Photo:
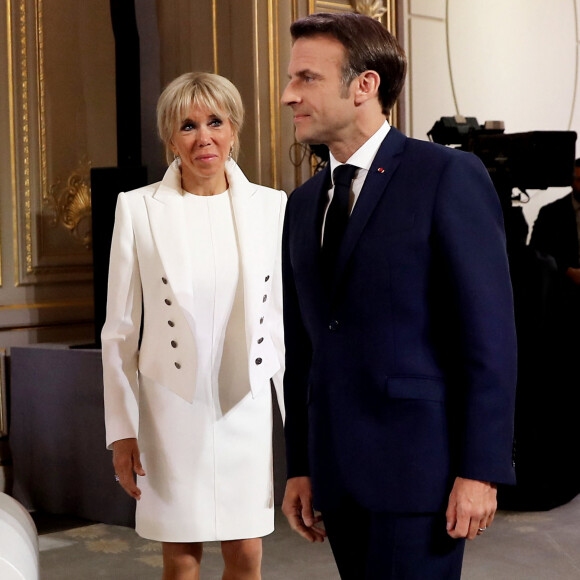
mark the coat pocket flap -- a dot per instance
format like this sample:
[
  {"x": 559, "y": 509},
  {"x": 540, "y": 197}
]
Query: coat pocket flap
[{"x": 409, "y": 387}]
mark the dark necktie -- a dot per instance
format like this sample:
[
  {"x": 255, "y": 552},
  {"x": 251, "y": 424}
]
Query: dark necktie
[{"x": 336, "y": 218}]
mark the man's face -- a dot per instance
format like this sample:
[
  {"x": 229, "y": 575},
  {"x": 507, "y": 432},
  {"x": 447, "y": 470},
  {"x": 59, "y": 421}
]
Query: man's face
[
  {"x": 323, "y": 108},
  {"x": 576, "y": 181}
]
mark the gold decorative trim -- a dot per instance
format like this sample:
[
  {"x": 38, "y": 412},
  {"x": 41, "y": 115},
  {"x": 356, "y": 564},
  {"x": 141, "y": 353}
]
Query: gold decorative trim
[
  {"x": 373, "y": 8},
  {"x": 46, "y": 305},
  {"x": 258, "y": 107},
  {"x": 215, "y": 36},
  {"x": 324, "y": 6},
  {"x": 295, "y": 10},
  {"x": 71, "y": 204},
  {"x": 31, "y": 193},
  {"x": 25, "y": 128},
  {"x": 3, "y": 417},
  {"x": 47, "y": 326},
  {"x": 41, "y": 99},
  {"x": 11, "y": 109},
  {"x": 274, "y": 75}
]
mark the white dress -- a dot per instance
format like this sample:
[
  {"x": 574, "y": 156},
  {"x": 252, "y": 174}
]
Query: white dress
[{"x": 216, "y": 485}]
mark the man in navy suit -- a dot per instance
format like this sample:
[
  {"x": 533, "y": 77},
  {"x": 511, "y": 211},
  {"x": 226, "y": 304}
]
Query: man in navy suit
[
  {"x": 400, "y": 375},
  {"x": 557, "y": 230}
]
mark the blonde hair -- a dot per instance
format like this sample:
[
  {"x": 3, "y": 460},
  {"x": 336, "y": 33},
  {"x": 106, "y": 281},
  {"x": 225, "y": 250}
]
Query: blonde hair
[{"x": 200, "y": 89}]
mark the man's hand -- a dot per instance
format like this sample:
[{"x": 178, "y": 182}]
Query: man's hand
[
  {"x": 126, "y": 459},
  {"x": 297, "y": 507},
  {"x": 574, "y": 275},
  {"x": 471, "y": 509}
]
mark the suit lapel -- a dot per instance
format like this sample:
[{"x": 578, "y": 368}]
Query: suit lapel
[{"x": 382, "y": 170}]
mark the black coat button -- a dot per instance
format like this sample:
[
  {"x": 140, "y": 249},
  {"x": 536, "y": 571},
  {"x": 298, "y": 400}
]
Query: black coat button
[
  {"x": 260, "y": 340},
  {"x": 164, "y": 280},
  {"x": 267, "y": 278},
  {"x": 168, "y": 302},
  {"x": 265, "y": 298},
  {"x": 173, "y": 344},
  {"x": 177, "y": 365},
  {"x": 258, "y": 361},
  {"x": 171, "y": 323},
  {"x": 333, "y": 325},
  {"x": 262, "y": 320}
]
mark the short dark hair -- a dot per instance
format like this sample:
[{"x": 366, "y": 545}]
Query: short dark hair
[{"x": 368, "y": 45}]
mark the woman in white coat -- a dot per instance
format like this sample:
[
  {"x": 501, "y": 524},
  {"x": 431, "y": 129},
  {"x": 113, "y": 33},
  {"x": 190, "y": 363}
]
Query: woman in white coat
[{"x": 193, "y": 336}]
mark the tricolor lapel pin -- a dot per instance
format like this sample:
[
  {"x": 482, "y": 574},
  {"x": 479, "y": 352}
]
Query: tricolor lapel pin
[{"x": 380, "y": 170}]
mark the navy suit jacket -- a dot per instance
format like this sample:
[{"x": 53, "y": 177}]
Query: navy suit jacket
[{"x": 402, "y": 377}]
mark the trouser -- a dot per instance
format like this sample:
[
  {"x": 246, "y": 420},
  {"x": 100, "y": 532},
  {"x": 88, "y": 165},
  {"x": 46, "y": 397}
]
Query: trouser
[{"x": 385, "y": 546}]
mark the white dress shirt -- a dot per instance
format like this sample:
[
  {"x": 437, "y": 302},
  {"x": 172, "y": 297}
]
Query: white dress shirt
[{"x": 362, "y": 158}]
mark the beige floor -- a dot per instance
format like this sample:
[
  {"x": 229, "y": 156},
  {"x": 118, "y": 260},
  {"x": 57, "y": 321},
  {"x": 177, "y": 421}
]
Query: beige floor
[{"x": 521, "y": 545}]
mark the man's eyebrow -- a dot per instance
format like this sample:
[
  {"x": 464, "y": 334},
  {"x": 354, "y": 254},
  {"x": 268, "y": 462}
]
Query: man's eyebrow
[{"x": 306, "y": 73}]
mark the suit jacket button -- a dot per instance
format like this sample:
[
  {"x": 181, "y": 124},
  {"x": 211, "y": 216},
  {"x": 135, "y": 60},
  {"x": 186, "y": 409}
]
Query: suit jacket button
[
  {"x": 333, "y": 325},
  {"x": 168, "y": 302},
  {"x": 171, "y": 323},
  {"x": 164, "y": 280},
  {"x": 262, "y": 320},
  {"x": 177, "y": 365},
  {"x": 260, "y": 340},
  {"x": 265, "y": 298},
  {"x": 173, "y": 344},
  {"x": 258, "y": 361},
  {"x": 267, "y": 278}
]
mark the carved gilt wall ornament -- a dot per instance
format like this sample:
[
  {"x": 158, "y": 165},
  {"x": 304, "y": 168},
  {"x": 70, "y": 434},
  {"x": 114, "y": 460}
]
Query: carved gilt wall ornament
[
  {"x": 70, "y": 204},
  {"x": 373, "y": 8},
  {"x": 55, "y": 120}
]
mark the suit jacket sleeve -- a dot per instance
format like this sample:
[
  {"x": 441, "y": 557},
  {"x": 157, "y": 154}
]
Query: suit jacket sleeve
[
  {"x": 298, "y": 359},
  {"x": 469, "y": 247},
  {"x": 120, "y": 335}
]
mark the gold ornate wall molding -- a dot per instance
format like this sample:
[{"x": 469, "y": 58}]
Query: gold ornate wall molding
[
  {"x": 3, "y": 409},
  {"x": 56, "y": 124},
  {"x": 373, "y": 8},
  {"x": 70, "y": 204}
]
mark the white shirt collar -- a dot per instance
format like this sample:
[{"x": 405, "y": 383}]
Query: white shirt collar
[{"x": 363, "y": 157}]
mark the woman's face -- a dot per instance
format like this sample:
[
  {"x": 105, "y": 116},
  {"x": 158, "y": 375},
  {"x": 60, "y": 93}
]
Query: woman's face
[{"x": 203, "y": 140}]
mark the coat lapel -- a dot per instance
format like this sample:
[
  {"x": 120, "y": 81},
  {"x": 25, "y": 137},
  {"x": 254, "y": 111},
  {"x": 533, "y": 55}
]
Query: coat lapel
[
  {"x": 248, "y": 234},
  {"x": 382, "y": 170},
  {"x": 169, "y": 230}
]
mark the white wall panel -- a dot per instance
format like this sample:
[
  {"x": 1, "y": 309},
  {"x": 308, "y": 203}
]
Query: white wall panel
[
  {"x": 575, "y": 121},
  {"x": 429, "y": 82},
  {"x": 428, "y": 8},
  {"x": 514, "y": 60}
]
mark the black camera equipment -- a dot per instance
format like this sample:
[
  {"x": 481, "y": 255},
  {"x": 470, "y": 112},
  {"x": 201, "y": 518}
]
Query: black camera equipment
[{"x": 533, "y": 160}]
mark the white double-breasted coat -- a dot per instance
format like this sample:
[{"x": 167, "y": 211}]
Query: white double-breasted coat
[{"x": 150, "y": 382}]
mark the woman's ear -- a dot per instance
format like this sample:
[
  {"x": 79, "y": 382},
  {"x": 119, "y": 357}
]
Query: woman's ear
[{"x": 367, "y": 86}]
